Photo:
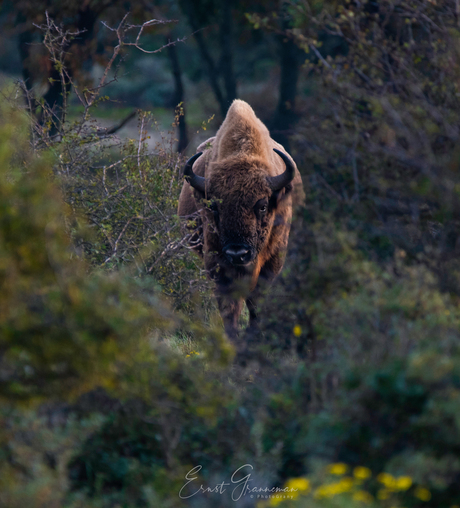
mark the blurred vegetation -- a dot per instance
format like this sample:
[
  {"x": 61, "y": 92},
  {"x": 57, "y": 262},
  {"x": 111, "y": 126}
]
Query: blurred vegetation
[{"x": 115, "y": 376}]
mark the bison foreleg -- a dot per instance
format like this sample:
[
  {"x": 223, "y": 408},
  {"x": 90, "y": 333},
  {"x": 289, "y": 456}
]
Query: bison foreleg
[
  {"x": 251, "y": 302},
  {"x": 266, "y": 277},
  {"x": 230, "y": 310}
]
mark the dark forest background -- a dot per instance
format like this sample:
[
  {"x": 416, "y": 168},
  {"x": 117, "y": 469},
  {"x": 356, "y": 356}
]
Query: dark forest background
[{"x": 116, "y": 378}]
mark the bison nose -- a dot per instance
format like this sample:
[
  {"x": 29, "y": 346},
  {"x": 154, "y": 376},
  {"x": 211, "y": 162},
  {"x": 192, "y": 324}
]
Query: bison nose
[{"x": 238, "y": 254}]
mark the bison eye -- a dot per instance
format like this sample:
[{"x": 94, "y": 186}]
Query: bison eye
[{"x": 261, "y": 208}]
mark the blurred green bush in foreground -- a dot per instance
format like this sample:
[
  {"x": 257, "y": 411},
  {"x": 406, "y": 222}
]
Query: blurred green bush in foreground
[
  {"x": 62, "y": 328},
  {"x": 67, "y": 328}
]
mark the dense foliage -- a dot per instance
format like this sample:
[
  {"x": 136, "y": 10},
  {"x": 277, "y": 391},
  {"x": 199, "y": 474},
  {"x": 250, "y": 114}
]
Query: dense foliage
[{"x": 115, "y": 376}]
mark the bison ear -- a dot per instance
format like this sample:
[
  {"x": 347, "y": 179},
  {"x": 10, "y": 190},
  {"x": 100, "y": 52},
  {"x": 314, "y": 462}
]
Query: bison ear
[{"x": 279, "y": 195}]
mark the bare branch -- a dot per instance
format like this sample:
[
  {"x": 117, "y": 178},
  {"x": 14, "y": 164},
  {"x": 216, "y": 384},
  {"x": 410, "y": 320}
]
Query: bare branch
[
  {"x": 320, "y": 56},
  {"x": 124, "y": 28},
  {"x": 115, "y": 128}
]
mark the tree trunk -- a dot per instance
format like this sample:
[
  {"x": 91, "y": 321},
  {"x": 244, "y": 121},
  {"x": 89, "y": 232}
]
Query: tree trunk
[
  {"x": 25, "y": 40},
  {"x": 226, "y": 43},
  {"x": 212, "y": 71},
  {"x": 285, "y": 116},
  {"x": 201, "y": 14},
  {"x": 24, "y": 43}
]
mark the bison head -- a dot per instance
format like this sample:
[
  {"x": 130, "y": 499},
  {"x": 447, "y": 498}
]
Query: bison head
[{"x": 240, "y": 203}]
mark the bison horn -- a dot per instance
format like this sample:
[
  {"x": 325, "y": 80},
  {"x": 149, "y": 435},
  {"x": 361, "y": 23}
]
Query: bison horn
[
  {"x": 197, "y": 182},
  {"x": 276, "y": 183}
]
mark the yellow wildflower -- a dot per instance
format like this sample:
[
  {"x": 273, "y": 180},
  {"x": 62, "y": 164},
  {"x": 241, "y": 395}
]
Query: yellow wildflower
[
  {"x": 333, "y": 489},
  {"x": 346, "y": 484},
  {"x": 403, "y": 483},
  {"x": 319, "y": 493},
  {"x": 361, "y": 473},
  {"x": 275, "y": 501},
  {"x": 388, "y": 480},
  {"x": 338, "y": 469},
  {"x": 422, "y": 493},
  {"x": 363, "y": 496},
  {"x": 324, "y": 491},
  {"x": 297, "y": 331},
  {"x": 300, "y": 484}
]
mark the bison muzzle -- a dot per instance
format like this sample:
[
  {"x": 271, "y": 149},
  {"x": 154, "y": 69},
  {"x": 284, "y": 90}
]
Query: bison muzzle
[{"x": 240, "y": 188}]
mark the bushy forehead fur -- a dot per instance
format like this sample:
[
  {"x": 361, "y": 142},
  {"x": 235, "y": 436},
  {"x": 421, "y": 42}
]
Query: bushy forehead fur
[
  {"x": 242, "y": 133},
  {"x": 238, "y": 181}
]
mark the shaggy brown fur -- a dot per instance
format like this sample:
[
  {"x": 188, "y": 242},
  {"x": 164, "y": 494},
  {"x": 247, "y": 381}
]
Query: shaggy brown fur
[{"x": 235, "y": 164}]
